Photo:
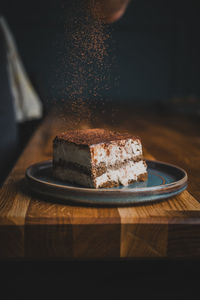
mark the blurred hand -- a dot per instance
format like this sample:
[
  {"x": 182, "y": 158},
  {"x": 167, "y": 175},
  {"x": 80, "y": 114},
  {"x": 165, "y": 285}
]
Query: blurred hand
[{"x": 110, "y": 10}]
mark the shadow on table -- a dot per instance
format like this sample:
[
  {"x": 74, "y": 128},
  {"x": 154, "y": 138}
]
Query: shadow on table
[{"x": 175, "y": 279}]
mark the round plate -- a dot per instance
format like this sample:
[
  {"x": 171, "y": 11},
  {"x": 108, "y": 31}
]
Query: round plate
[{"x": 164, "y": 181}]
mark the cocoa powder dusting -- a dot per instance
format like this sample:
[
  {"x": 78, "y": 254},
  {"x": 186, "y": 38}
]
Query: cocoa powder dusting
[
  {"x": 87, "y": 52},
  {"x": 94, "y": 136}
]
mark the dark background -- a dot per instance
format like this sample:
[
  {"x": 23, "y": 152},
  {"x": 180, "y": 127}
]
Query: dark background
[{"x": 156, "y": 47}]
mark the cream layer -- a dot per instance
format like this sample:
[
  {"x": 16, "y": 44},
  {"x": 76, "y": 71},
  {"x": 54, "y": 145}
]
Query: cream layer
[
  {"x": 99, "y": 153},
  {"x": 121, "y": 176}
]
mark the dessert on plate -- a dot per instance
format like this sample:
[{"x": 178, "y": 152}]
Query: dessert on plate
[{"x": 98, "y": 158}]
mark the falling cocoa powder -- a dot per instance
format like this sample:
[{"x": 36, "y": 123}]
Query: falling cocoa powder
[{"x": 88, "y": 74}]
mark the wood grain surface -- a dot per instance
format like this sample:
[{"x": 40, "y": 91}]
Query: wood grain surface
[{"x": 32, "y": 226}]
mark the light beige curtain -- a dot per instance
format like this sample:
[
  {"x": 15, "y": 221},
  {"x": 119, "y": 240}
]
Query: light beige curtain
[{"x": 26, "y": 101}]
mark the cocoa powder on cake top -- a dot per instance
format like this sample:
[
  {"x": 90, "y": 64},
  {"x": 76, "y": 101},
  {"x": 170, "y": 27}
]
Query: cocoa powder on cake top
[{"x": 93, "y": 136}]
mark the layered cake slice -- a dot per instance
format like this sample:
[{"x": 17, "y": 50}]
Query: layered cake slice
[{"x": 98, "y": 158}]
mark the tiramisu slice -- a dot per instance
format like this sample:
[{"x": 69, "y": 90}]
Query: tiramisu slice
[{"x": 98, "y": 158}]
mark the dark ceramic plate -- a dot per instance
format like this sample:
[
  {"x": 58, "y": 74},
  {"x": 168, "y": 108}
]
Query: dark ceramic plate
[{"x": 164, "y": 181}]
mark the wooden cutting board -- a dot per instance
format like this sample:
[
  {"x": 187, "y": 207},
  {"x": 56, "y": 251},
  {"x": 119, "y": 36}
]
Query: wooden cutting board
[{"x": 37, "y": 227}]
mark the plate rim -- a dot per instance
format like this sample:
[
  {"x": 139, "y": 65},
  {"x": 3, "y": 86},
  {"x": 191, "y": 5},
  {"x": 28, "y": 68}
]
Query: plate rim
[{"x": 165, "y": 188}]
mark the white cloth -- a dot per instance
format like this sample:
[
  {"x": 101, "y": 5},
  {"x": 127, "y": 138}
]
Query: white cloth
[{"x": 27, "y": 104}]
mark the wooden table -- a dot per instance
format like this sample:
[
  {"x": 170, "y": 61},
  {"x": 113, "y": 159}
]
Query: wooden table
[{"x": 38, "y": 227}]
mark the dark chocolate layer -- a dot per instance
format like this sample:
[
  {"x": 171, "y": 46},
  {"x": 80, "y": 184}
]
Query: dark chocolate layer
[
  {"x": 72, "y": 166},
  {"x": 92, "y": 136}
]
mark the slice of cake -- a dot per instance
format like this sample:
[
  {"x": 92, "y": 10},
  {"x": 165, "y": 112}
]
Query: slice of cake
[{"x": 98, "y": 158}]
